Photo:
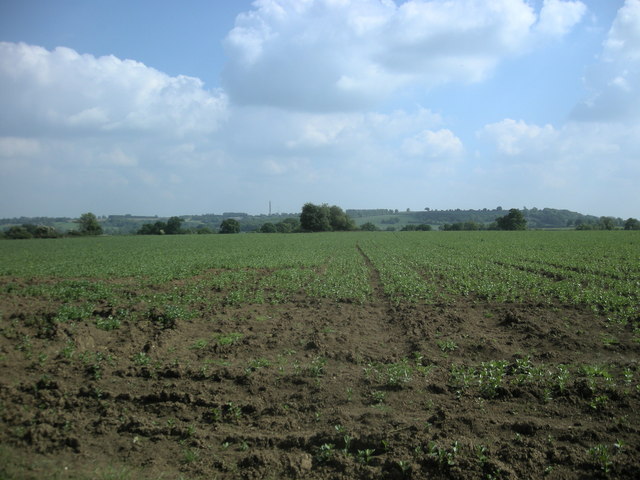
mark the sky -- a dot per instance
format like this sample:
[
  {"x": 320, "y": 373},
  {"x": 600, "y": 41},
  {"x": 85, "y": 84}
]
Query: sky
[{"x": 158, "y": 107}]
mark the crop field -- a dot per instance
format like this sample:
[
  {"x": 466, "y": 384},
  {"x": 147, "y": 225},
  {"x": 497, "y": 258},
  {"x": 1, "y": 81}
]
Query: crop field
[{"x": 364, "y": 355}]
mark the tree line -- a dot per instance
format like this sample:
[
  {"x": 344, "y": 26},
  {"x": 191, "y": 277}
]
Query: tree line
[
  {"x": 88, "y": 225},
  {"x": 313, "y": 218}
]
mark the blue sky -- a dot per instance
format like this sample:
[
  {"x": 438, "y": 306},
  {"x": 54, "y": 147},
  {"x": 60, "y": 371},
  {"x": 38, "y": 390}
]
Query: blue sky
[{"x": 172, "y": 108}]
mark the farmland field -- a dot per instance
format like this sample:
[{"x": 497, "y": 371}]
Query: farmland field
[{"x": 502, "y": 355}]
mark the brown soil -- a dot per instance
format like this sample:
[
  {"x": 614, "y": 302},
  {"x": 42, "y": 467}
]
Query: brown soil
[{"x": 310, "y": 389}]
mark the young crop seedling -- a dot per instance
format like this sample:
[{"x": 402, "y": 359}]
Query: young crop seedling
[
  {"x": 405, "y": 468},
  {"x": 234, "y": 411},
  {"x": 481, "y": 454},
  {"x": 447, "y": 345},
  {"x": 256, "y": 364},
  {"x": 349, "y": 394},
  {"x": 108, "y": 324},
  {"x": 601, "y": 456},
  {"x": 364, "y": 456},
  {"x": 389, "y": 374},
  {"x": 224, "y": 339},
  {"x": 377, "y": 397},
  {"x": 199, "y": 344},
  {"x": 326, "y": 451},
  {"x": 317, "y": 367},
  {"x": 190, "y": 455},
  {"x": 141, "y": 359},
  {"x": 347, "y": 444}
]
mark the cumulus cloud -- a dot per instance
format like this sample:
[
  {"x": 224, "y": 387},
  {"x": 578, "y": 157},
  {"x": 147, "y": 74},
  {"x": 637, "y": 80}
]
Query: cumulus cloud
[
  {"x": 99, "y": 129},
  {"x": 589, "y": 167},
  {"x": 614, "y": 82},
  {"x": 328, "y": 55},
  {"x": 64, "y": 91},
  {"x": 515, "y": 137},
  {"x": 433, "y": 144},
  {"x": 104, "y": 133},
  {"x": 558, "y": 17},
  {"x": 571, "y": 163},
  {"x": 321, "y": 141}
]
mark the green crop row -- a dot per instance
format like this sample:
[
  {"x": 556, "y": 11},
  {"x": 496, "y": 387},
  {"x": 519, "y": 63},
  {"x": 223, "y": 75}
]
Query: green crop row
[{"x": 599, "y": 270}]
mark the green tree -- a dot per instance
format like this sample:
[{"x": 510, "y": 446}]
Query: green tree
[
  {"x": 607, "y": 223},
  {"x": 514, "y": 220},
  {"x": 315, "y": 218},
  {"x": 89, "y": 224},
  {"x": 268, "y": 228},
  {"x": 173, "y": 226},
  {"x": 18, "y": 233},
  {"x": 369, "y": 227},
  {"x": 632, "y": 224},
  {"x": 203, "y": 230},
  {"x": 339, "y": 220},
  {"x": 288, "y": 225},
  {"x": 230, "y": 225},
  {"x": 157, "y": 228},
  {"x": 323, "y": 218}
]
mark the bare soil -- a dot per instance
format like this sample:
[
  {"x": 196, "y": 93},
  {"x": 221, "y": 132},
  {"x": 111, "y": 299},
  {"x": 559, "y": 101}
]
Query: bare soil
[{"x": 311, "y": 389}]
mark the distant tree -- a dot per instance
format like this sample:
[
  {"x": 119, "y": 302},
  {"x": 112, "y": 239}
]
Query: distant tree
[
  {"x": 315, "y": 218},
  {"x": 18, "y": 233},
  {"x": 174, "y": 226},
  {"x": 42, "y": 231},
  {"x": 29, "y": 230},
  {"x": 632, "y": 224},
  {"x": 369, "y": 227},
  {"x": 423, "y": 227},
  {"x": 607, "y": 223},
  {"x": 461, "y": 226},
  {"x": 268, "y": 228},
  {"x": 230, "y": 225},
  {"x": 202, "y": 230},
  {"x": 323, "y": 218},
  {"x": 514, "y": 220},
  {"x": 585, "y": 226},
  {"x": 89, "y": 225},
  {"x": 157, "y": 228},
  {"x": 339, "y": 220},
  {"x": 288, "y": 225},
  {"x": 472, "y": 226}
]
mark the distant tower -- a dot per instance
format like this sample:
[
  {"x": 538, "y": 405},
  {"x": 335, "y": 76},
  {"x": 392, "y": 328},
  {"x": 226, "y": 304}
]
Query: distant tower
[{"x": 269, "y": 207}]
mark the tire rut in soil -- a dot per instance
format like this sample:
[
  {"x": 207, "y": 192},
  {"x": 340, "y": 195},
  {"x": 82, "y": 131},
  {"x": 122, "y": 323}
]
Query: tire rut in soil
[
  {"x": 390, "y": 317},
  {"x": 374, "y": 278}
]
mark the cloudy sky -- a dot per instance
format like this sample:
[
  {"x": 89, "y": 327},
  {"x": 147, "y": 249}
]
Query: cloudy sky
[{"x": 204, "y": 106}]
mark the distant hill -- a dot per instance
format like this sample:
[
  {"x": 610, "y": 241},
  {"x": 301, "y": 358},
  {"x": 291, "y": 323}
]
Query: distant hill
[
  {"x": 382, "y": 218},
  {"x": 536, "y": 218}
]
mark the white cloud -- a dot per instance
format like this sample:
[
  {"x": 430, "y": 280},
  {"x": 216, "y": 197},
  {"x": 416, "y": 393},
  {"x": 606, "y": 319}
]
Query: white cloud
[
  {"x": 590, "y": 167},
  {"x": 103, "y": 130},
  {"x": 118, "y": 136},
  {"x": 514, "y": 137},
  {"x": 558, "y": 17},
  {"x": 614, "y": 82},
  {"x": 623, "y": 41},
  {"x": 433, "y": 144},
  {"x": 591, "y": 162},
  {"x": 329, "y": 55},
  {"x": 64, "y": 91}
]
